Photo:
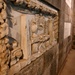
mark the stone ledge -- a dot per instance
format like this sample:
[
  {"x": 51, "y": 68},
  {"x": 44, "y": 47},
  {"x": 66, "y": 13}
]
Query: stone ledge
[
  {"x": 23, "y": 63},
  {"x": 17, "y": 67}
]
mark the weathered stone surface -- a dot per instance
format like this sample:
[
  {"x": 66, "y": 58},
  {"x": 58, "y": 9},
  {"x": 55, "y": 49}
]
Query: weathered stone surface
[
  {"x": 53, "y": 68},
  {"x": 48, "y": 57},
  {"x": 36, "y": 40}
]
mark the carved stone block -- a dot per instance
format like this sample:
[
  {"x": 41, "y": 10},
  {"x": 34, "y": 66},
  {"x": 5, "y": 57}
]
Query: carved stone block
[{"x": 37, "y": 33}]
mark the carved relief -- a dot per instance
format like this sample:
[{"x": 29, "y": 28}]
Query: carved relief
[
  {"x": 10, "y": 52},
  {"x": 55, "y": 27},
  {"x": 36, "y": 5},
  {"x": 39, "y": 33},
  {"x": 38, "y": 36},
  {"x": 34, "y": 29},
  {"x": 51, "y": 32},
  {"x": 14, "y": 43},
  {"x": 4, "y": 51},
  {"x": 44, "y": 32}
]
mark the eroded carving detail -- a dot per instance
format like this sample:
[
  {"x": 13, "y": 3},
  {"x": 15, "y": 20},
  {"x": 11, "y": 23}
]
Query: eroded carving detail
[
  {"x": 9, "y": 50},
  {"x": 16, "y": 52},
  {"x": 43, "y": 34},
  {"x": 55, "y": 25},
  {"x": 4, "y": 41},
  {"x": 36, "y": 5},
  {"x": 38, "y": 36}
]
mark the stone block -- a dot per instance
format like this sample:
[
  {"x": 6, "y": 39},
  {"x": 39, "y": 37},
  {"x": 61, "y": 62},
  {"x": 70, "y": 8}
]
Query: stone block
[{"x": 48, "y": 57}]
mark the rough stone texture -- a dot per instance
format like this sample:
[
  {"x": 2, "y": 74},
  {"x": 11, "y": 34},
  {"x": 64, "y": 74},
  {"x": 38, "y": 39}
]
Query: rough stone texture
[
  {"x": 4, "y": 51},
  {"x": 7, "y": 49},
  {"x": 44, "y": 65},
  {"x": 50, "y": 62}
]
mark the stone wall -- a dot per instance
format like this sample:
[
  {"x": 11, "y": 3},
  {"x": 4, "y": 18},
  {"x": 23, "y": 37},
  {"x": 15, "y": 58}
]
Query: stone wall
[
  {"x": 65, "y": 43},
  {"x": 36, "y": 36},
  {"x": 66, "y": 15}
]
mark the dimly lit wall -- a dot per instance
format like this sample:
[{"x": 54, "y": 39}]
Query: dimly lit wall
[{"x": 51, "y": 61}]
